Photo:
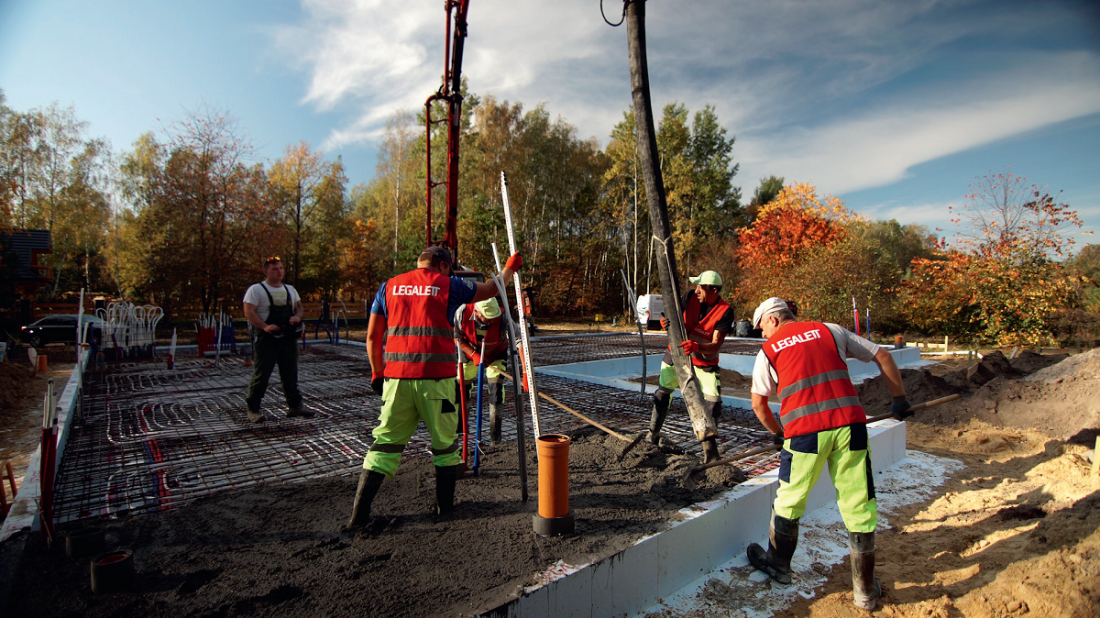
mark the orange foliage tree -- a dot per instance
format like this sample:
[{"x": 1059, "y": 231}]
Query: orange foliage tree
[
  {"x": 789, "y": 228},
  {"x": 999, "y": 284}
]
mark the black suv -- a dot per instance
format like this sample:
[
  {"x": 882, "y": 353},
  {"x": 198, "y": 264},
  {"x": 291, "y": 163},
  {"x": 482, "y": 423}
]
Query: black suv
[{"x": 58, "y": 329}]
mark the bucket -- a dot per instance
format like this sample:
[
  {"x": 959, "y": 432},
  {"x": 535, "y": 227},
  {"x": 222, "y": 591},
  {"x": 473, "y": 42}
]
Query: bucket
[
  {"x": 113, "y": 571},
  {"x": 41, "y": 367}
]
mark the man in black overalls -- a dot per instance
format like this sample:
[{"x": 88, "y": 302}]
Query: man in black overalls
[{"x": 275, "y": 312}]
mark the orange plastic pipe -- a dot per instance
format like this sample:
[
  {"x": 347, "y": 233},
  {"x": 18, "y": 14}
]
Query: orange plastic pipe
[
  {"x": 41, "y": 368},
  {"x": 553, "y": 451}
]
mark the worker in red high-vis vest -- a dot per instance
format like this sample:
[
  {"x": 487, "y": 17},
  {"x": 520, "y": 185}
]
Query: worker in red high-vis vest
[
  {"x": 413, "y": 315},
  {"x": 479, "y": 329},
  {"x": 823, "y": 423},
  {"x": 708, "y": 319}
]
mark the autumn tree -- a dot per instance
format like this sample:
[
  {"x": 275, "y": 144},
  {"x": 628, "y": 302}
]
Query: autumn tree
[
  {"x": 786, "y": 233},
  {"x": 998, "y": 284},
  {"x": 202, "y": 221}
]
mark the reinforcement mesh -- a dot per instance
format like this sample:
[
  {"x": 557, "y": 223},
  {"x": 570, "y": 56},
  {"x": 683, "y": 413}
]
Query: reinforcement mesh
[{"x": 147, "y": 438}]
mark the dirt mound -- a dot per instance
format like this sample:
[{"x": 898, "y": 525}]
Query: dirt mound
[
  {"x": 1084, "y": 366},
  {"x": 992, "y": 366},
  {"x": 15, "y": 382},
  {"x": 278, "y": 550},
  {"x": 1028, "y": 362},
  {"x": 1062, "y": 399},
  {"x": 920, "y": 386}
]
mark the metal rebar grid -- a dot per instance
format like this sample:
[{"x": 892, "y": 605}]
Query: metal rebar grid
[
  {"x": 564, "y": 349},
  {"x": 148, "y": 438}
]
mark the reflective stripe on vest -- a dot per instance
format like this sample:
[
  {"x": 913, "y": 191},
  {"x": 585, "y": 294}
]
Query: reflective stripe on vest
[
  {"x": 702, "y": 331},
  {"x": 419, "y": 342},
  {"x": 494, "y": 345},
  {"x": 815, "y": 386}
]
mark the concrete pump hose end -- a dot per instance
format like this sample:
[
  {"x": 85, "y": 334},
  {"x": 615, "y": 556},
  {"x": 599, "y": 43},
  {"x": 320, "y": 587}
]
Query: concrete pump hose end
[{"x": 554, "y": 517}]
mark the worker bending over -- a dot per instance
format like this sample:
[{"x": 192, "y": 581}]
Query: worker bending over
[
  {"x": 413, "y": 313},
  {"x": 822, "y": 423},
  {"x": 479, "y": 328},
  {"x": 707, "y": 319}
]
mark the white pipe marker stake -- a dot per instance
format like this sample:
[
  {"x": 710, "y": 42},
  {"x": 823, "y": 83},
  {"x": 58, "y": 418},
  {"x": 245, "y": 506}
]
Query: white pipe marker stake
[{"x": 528, "y": 366}]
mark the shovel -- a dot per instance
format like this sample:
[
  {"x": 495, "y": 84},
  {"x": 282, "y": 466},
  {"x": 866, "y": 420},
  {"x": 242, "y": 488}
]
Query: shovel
[
  {"x": 689, "y": 476},
  {"x": 626, "y": 449}
]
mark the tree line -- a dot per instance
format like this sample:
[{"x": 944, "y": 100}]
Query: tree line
[{"x": 185, "y": 216}]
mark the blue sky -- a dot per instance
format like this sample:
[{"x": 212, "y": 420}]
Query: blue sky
[{"x": 895, "y": 107}]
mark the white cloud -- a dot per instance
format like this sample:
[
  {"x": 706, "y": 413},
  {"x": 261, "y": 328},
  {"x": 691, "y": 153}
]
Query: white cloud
[
  {"x": 877, "y": 147},
  {"x": 800, "y": 84}
]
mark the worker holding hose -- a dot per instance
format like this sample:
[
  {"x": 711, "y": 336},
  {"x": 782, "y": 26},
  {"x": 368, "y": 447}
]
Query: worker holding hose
[
  {"x": 274, "y": 310},
  {"x": 708, "y": 319},
  {"x": 479, "y": 327},
  {"x": 823, "y": 423},
  {"x": 410, "y": 344}
]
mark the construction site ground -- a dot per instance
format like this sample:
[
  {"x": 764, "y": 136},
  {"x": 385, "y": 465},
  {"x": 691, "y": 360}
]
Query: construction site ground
[{"x": 1014, "y": 531}]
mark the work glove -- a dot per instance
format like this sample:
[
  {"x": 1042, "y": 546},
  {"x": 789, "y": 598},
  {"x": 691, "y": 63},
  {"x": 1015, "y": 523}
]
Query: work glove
[
  {"x": 689, "y": 347},
  {"x": 514, "y": 263},
  {"x": 901, "y": 409},
  {"x": 377, "y": 380},
  {"x": 664, "y": 323},
  {"x": 777, "y": 438},
  {"x": 475, "y": 358}
]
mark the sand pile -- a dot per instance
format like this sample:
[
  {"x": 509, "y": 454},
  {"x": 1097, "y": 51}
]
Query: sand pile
[{"x": 1061, "y": 397}]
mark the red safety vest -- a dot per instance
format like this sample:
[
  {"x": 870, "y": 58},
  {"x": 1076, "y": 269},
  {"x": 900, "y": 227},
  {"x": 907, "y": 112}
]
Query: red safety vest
[
  {"x": 815, "y": 388},
  {"x": 494, "y": 345},
  {"x": 702, "y": 331},
  {"x": 419, "y": 339}
]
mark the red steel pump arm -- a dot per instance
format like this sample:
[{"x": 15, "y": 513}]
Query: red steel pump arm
[{"x": 450, "y": 92}]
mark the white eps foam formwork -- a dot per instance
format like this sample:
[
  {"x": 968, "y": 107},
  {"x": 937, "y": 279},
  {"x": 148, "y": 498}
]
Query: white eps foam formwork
[{"x": 709, "y": 535}]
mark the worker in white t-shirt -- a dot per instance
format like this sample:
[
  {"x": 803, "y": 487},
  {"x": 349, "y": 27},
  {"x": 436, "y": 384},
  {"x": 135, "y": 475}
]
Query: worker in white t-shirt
[{"x": 274, "y": 310}]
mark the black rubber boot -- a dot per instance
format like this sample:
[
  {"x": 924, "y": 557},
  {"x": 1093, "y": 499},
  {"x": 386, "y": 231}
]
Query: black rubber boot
[
  {"x": 657, "y": 418},
  {"x": 494, "y": 423},
  {"x": 445, "y": 479},
  {"x": 782, "y": 540},
  {"x": 710, "y": 450},
  {"x": 369, "y": 482},
  {"x": 715, "y": 409},
  {"x": 865, "y": 587}
]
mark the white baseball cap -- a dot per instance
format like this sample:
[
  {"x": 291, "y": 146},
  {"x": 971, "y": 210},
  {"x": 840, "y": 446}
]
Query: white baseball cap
[{"x": 771, "y": 305}]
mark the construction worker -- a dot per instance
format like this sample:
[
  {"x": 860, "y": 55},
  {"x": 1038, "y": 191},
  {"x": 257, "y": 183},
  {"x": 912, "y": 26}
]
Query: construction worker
[
  {"x": 274, "y": 310},
  {"x": 479, "y": 324},
  {"x": 413, "y": 313},
  {"x": 708, "y": 319},
  {"x": 822, "y": 423}
]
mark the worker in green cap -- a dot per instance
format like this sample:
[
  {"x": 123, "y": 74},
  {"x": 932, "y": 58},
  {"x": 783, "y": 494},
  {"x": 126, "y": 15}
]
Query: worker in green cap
[
  {"x": 480, "y": 324},
  {"x": 707, "y": 319}
]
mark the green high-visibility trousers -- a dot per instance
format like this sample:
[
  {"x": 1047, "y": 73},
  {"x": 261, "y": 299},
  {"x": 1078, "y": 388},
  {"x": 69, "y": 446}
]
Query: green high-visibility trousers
[
  {"x": 848, "y": 455},
  {"x": 709, "y": 382},
  {"x": 406, "y": 402}
]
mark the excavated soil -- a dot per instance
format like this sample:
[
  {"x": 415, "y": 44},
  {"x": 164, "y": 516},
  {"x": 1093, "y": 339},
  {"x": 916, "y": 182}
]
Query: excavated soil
[
  {"x": 279, "y": 550},
  {"x": 21, "y": 394},
  {"x": 1061, "y": 398}
]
